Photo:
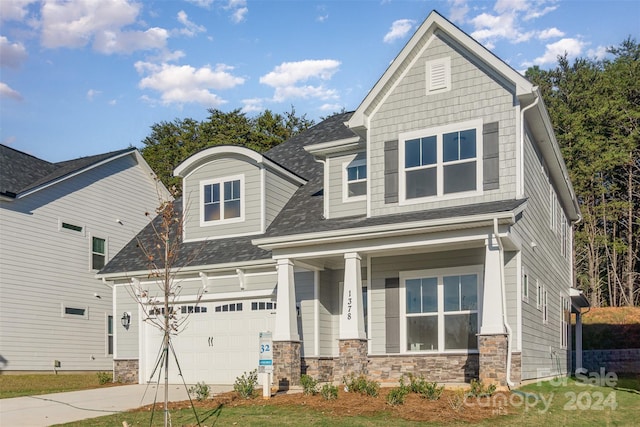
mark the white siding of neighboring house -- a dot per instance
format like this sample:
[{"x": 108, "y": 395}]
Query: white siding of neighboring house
[
  {"x": 251, "y": 196},
  {"x": 42, "y": 267},
  {"x": 474, "y": 95},
  {"x": 338, "y": 207},
  {"x": 545, "y": 264}
]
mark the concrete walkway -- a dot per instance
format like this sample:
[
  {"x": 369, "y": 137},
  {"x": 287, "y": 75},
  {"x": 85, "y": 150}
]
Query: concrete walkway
[{"x": 58, "y": 408}]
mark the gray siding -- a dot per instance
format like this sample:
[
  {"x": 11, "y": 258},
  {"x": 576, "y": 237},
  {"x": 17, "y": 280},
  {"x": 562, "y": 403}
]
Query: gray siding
[
  {"x": 512, "y": 295},
  {"x": 337, "y": 206},
  {"x": 544, "y": 264},
  {"x": 305, "y": 300},
  {"x": 391, "y": 266},
  {"x": 126, "y": 340},
  {"x": 329, "y": 300},
  {"x": 278, "y": 192},
  {"x": 252, "y": 197},
  {"x": 474, "y": 95},
  {"x": 42, "y": 267}
]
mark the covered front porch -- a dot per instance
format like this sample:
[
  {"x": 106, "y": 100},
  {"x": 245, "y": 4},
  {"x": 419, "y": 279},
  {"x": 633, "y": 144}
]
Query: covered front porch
[{"x": 431, "y": 303}]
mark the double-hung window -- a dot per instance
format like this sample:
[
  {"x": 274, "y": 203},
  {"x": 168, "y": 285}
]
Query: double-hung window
[
  {"x": 222, "y": 200},
  {"x": 356, "y": 180},
  {"x": 98, "y": 253},
  {"x": 443, "y": 161},
  {"x": 440, "y": 310}
]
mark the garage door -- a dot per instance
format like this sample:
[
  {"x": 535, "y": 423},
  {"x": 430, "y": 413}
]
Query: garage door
[{"x": 218, "y": 344}]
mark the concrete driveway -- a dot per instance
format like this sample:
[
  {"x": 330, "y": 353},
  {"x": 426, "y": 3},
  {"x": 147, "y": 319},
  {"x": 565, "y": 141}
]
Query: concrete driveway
[{"x": 58, "y": 408}]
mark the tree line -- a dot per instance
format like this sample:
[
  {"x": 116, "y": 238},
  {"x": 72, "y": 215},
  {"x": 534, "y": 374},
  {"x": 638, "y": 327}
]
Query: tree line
[{"x": 594, "y": 107}]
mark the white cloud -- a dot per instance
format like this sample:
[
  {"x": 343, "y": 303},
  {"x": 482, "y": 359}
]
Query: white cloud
[
  {"x": 550, "y": 33},
  {"x": 12, "y": 55},
  {"x": 8, "y": 92},
  {"x": 76, "y": 23},
  {"x": 572, "y": 47},
  {"x": 331, "y": 107},
  {"x": 14, "y": 10},
  {"x": 92, "y": 93},
  {"x": 458, "y": 10},
  {"x": 190, "y": 29},
  {"x": 183, "y": 84},
  {"x": 287, "y": 77},
  {"x": 112, "y": 102},
  {"x": 238, "y": 10},
  {"x": 598, "y": 53},
  {"x": 202, "y": 3},
  {"x": 252, "y": 105},
  {"x": 398, "y": 30}
]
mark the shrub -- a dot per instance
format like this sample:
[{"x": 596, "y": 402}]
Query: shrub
[
  {"x": 329, "y": 392},
  {"x": 419, "y": 385},
  {"x": 309, "y": 385},
  {"x": 478, "y": 389},
  {"x": 396, "y": 396},
  {"x": 245, "y": 384},
  {"x": 457, "y": 400},
  {"x": 201, "y": 391},
  {"x": 361, "y": 385},
  {"x": 104, "y": 377}
]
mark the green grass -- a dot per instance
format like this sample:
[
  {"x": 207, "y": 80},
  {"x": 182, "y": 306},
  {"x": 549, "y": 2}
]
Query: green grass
[
  {"x": 568, "y": 404},
  {"x": 34, "y": 384}
]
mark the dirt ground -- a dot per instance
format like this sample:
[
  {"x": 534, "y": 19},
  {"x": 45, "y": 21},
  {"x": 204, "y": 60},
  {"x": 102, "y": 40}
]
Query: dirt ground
[{"x": 450, "y": 407}]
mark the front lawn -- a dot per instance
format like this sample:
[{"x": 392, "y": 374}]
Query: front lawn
[
  {"x": 35, "y": 384},
  {"x": 560, "y": 402}
]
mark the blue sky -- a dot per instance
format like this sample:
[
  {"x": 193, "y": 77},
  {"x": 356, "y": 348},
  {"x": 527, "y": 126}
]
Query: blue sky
[{"x": 82, "y": 77}]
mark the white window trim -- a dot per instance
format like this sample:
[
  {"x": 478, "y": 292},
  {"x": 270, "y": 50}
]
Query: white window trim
[
  {"x": 438, "y": 132},
  {"x": 345, "y": 181},
  {"x": 439, "y": 273},
  {"x": 446, "y": 86},
  {"x": 564, "y": 329},
  {"x": 106, "y": 250},
  {"x": 553, "y": 209},
  {"x": 538, "y": 295},
  {"x": 525, "y": 286},
  {"x": 545, "y": 306},
  {"x": 107, "y": 335},
  {"x": 221, "y": 181}
]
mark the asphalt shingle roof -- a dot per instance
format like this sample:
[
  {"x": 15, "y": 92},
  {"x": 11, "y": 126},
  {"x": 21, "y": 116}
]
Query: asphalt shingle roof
[
  {"x": 302, "y": 214},
  {"x": 21, "y": 172}
]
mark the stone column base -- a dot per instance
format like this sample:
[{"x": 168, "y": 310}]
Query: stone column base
[
  {"x": 125, "y": 371},
  {"x": 286, "y": 363},
  {"x": 352, "y": 360},
  {"x": 493, "y": 359}
]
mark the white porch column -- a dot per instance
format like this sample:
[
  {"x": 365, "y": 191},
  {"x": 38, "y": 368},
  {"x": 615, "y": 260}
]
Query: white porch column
[
  {"x": 492, "y": 316},
  {"x": 352, "y": 317},
  {"x": 286, "y": 328},
  {"x": 578, "y": 342}
]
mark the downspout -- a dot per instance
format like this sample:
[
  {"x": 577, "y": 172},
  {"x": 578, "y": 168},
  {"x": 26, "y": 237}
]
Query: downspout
[
  {"x": 510, "y": 383},
  {"x": 535, "y": 92}
]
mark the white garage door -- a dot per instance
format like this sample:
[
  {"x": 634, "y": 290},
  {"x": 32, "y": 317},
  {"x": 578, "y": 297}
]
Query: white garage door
[{"x": 219, "y": 343}]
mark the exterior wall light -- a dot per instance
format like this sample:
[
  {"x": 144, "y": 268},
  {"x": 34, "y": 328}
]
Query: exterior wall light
[{"x": 125, "y": 320}]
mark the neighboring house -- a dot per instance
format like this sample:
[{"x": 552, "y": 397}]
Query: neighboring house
[
  {"x": 429, "y": 231},
  {"x": 59, "y": 224}
]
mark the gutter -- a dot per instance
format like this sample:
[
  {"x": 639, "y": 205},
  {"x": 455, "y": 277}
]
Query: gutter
[{"x": 510, "y": 383}]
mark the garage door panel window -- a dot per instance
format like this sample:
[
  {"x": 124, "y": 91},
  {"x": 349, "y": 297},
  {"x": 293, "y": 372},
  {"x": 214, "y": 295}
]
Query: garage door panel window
[{"x": 440, "y": 309}]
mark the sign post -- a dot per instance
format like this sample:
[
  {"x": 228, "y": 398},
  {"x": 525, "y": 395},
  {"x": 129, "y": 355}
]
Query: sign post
[{"x": 265, "y": 365}]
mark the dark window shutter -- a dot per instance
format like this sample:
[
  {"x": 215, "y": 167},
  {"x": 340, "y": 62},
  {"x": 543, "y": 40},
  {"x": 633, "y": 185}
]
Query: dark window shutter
[
  {"x": 391, "y": 171},
  {"x": 392, "y": 314},
  {"x": 490, "y": 156}
]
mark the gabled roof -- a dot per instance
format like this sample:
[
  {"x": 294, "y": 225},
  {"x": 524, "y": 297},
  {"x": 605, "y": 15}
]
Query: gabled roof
[
  {"x": 22, "y": 173},
  {"x": 437, "y": 24}
]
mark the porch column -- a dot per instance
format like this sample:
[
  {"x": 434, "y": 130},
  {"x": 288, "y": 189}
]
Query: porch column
[
  {"x": 492, "y": 339},
  {"x": 352, "y": 316},
  {"x": 352, "y": 345},
  {"x": 286, "y": 341},
  {"x": 578, "y": 342},
  {"x": 492, "y": 316},
  {"x": 286, "y": 328}
]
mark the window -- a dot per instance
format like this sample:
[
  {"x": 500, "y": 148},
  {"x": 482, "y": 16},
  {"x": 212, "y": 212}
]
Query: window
[
  {"x": 441, "y": 162},
  {"x": 71, "y": 227},
  {"x": 545, "y": 307},
  {"x": 525, "y": 287},
  {"x": 553, "y": 210},
  {"x": 355, "y": 180},
  {"x": 229, "y": 307},
  {"x": 538, "y": 296},
  {"x": 263, "y": 306},
  {"x": 222, "y": 200},
  {"x": 565, "y": 322},
  {"x": 190, "y": 309},
  {"x": 440, "y": 310},
  {"x": 75, "y": 311},
  {"x": 98, "y": 253},
  {"x": 109, "y": 334},
  {"x": 438, "y": 75}
]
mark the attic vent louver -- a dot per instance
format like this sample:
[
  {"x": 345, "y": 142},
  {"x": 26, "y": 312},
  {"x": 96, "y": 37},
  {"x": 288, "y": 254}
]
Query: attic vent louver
[{"x": 438, "y": 75}]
